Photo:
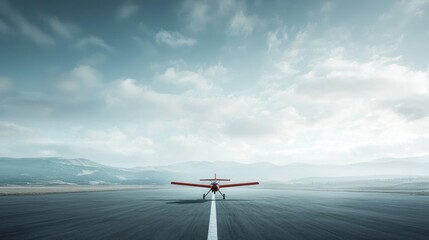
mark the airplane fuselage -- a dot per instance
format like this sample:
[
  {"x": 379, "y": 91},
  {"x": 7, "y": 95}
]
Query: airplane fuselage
[{"x": 214, "y": 186}]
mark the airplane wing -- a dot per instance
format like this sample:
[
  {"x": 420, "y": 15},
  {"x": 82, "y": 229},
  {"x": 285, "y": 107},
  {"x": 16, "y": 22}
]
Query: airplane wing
[
  {"x": 191, "y": 184},
  {"x": 238, "y": 184}
]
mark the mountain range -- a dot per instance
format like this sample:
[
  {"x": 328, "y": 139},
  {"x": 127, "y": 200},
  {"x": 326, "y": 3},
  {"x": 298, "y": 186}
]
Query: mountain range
[{"x": 48, "y": 171}]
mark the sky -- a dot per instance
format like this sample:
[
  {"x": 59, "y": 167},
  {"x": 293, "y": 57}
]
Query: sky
[{"x": 138, "y": 83}]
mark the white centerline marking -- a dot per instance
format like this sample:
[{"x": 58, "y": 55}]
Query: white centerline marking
[{"x": 212, "y": 235}]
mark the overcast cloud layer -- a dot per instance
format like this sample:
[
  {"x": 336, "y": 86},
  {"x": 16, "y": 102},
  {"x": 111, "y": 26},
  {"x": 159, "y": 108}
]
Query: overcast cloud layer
[{"x": 132, "y": 84}]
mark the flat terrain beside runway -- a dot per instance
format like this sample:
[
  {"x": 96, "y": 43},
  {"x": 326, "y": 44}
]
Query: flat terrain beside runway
[{"x": 247, "y": 213}]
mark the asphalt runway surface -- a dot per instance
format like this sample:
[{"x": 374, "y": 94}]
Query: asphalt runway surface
[{"x": 247, "y": 213}]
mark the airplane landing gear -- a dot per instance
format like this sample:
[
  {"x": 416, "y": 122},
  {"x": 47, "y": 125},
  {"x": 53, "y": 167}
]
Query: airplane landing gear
[
  {"x": 205, "y": 195},
  {"x": 223, "y": 195}
]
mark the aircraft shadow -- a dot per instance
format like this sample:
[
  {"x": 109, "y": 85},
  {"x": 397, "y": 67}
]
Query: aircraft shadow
[
  {"x": 188, "y": 201},
  {"x": 233, "y": 200},
  {"x": 205, "y": 200}
]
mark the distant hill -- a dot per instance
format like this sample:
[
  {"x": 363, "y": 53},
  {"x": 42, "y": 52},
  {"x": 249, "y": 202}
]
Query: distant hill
[{"x": 47, "y": 171}]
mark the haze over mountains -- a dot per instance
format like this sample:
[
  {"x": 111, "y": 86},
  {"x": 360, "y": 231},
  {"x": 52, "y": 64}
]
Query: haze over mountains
[
  {"x": 53, "y": 171},
  {"x": 48, "y": 171}
]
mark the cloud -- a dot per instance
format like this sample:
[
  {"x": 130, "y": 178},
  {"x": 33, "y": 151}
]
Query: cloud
[
  {"x": 413, "y": 107},
  {"x": 5, "y": 84},
  {"x": 127, "y": 10},
  {"x": 17, "y": 140},
  {"x": 65, "y": 30},
  {"x": 198, "y": 14},
  {"x": 319, "y": 90},
  {"x": 93, "y": 41},
  {"x": 353, "y": 102},
  {"x": 24, "y": 141},
  {"x": 346, "y": 104},
  {"x": 116, "y": 141},
  {"x": 415, "y": 7},
  {"x": 8, "y": 129},
  {"x": 139, "y": 102},
  {"x": 241, "y": 24},
  {"x": 70, "y": 97},
  {"x": 175, "y": 94},
  {"x": 80, "y": 82},
  {"x": 250, "y": 127},
  {"x": 94, "y": 59},
  {"x": 226, "y": 124},
  {"x": 275, "y": 39},
  {"x": 173, "y": 39},
  {"x": 185, "y": 78},
  {"x": 4, "y": 28},
  {"x": 226, "y": 6},
  {"x": 24, "y": 104},
  {"x": 286, "y": 68},
  {"x": 202, "y": 14},
  {"x": 327, "y": 7},
  {"x": 128, "y": 96},
  {"x": 379, "y": 78},
  {"x": 26, "y": 27}
]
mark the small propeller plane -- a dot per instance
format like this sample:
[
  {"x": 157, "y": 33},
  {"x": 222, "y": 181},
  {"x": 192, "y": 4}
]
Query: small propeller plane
[{"x": 215, "y": 185}]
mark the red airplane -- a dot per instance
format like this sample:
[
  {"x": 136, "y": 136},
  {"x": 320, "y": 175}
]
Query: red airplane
[{"x": 214, "y": 185}]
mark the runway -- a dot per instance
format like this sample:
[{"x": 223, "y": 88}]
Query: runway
[{"x": 247, "y": 213}]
